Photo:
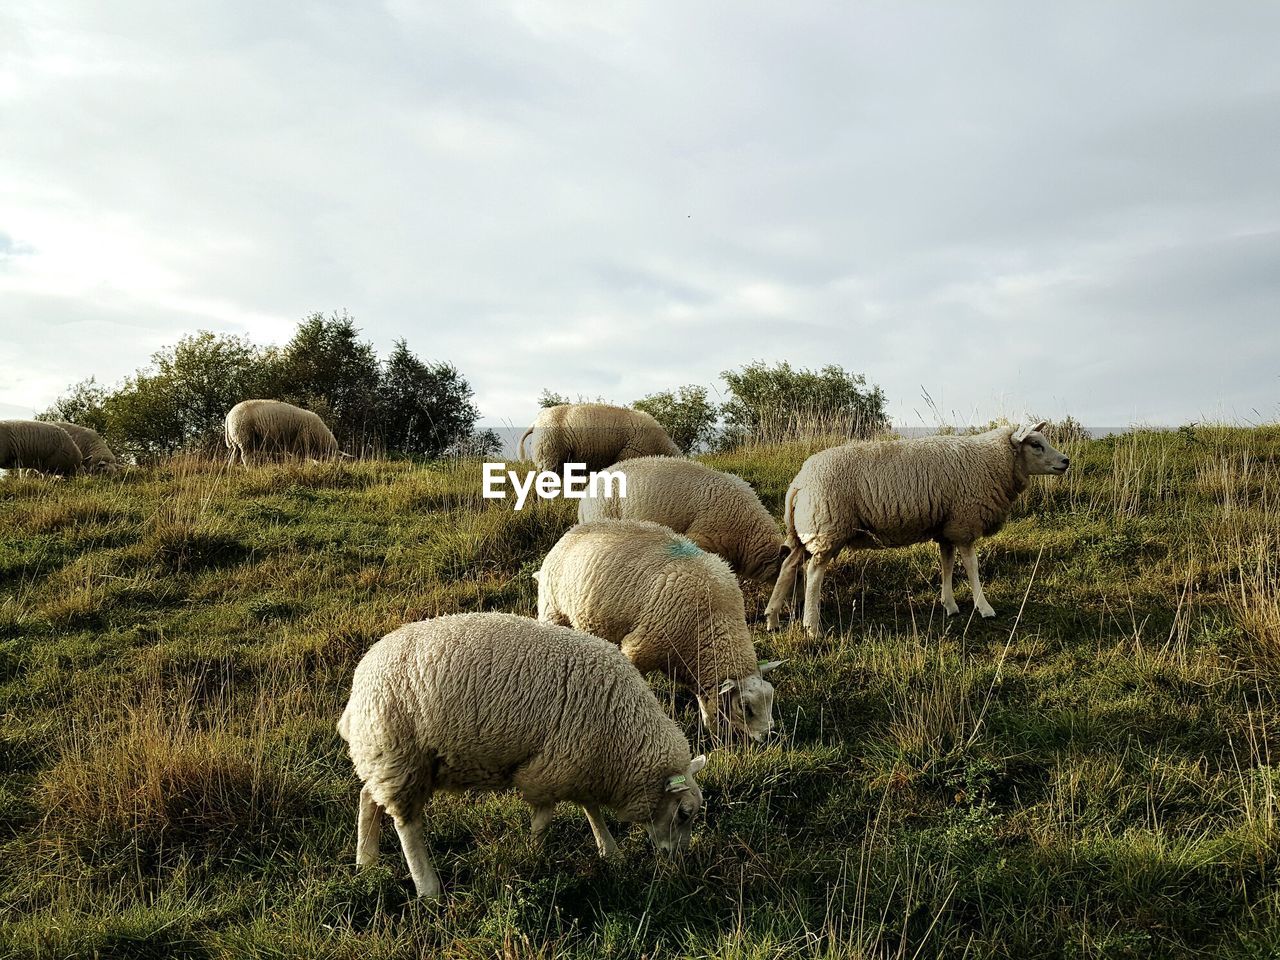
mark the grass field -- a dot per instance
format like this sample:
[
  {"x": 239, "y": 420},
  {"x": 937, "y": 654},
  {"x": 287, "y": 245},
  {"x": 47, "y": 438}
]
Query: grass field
[{"x": 1088, "y": 775}]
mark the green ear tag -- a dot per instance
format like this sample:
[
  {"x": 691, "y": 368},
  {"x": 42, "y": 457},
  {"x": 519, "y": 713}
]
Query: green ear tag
[{"x": 678, "y": 779}]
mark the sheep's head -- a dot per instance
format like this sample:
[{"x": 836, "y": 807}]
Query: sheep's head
[
  {"x": 1036, "y": 453},
  {"x": 673, "y": 814},
  {"x": 741, "y": 706},
  {"x": 765, "y": 568}
]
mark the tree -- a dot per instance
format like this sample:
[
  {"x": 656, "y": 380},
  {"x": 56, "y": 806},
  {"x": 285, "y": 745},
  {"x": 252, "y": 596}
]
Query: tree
[
  {"x": 83, "y": 403},
  {"x": 204, "y": 375},
  {"x": 328, "y": 369},
  {"x": 687, "y": 416},
  {"x": 423, "y": 408},
  {"x": 779, "y": 403}
]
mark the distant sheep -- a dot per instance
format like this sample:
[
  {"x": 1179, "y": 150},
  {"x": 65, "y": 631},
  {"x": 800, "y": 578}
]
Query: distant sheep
[
  {"x": 37, "y": 445},
  {"x": 273, "y": 428},
  {"x": 95, "y": 455},
  {"x": 595, "y": 434},
  {"x": 950, "y": 489},
  {"x": 492, "y": 700},
  {"x": 717, "y": 511},
  {"x": 672, "y": 607}
]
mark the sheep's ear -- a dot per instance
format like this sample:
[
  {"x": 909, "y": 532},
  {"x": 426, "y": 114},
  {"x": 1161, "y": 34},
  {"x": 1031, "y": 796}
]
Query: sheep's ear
[
  {"x": 1020, "y": 435},
  {"x": 537, "y": 576},
  {"x": 768, "y": 665},
  {"x": 696, "y": 764},
  {"x": 783, "y": 550},
  {"x": 728, "y": 686}
]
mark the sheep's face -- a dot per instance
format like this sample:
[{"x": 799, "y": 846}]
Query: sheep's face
[
  {"x": 1036, "y": 453},
  {"x": 675, "y": 811},
  {"x": 742, "y": 707}
]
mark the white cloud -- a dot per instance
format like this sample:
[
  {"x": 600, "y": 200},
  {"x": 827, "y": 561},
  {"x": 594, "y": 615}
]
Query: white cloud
[{"x": 1071, "y": 210}]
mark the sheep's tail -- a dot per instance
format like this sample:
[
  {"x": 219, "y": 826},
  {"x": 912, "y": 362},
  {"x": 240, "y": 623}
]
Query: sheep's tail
[
  {"x": 344, "y": 723},
  {"x": 520, "y": 448},
  {"x": 226, "y": 431}
]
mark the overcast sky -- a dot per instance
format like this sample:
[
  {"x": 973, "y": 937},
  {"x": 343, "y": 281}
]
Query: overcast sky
[{"x": 1020, "y": 208}]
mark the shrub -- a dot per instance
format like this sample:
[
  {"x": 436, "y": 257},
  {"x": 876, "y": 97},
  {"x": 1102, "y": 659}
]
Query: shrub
[
  {"x": 778, "y": 404},
  {"x": 686, "y": 414}
]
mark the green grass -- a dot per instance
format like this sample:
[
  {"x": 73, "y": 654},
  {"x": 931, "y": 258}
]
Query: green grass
[{"x": 1089, "y": 775}]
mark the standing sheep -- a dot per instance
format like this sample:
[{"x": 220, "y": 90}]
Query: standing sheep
[
  {"x": 671, "y": 607},
  {"x": 492, "y": 700},
  {"x": 596, "y": 434},
  {"x": 870, "y": 495},
  {"x": 37, "y": 445},
  {"x": 276, "y": 428},
  {"x": 95, "y": 455},
  {"x": 717, "y": 511}
]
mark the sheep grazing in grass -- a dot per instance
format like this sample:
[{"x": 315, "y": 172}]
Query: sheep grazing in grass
[
  {"x": 37, "y": 445},
  {"x": 95, "y": 455},
  {"x": 950, "y": 489},
  {"x": 717, "y": 511},
  {"x": 596, "y": 434},
  {"x": 672, "y": 607},
  {"x": 273, "y": 428},
  {"x": 492, "y": 700}
]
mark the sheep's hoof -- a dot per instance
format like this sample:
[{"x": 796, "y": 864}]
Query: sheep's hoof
[
  {"x": 987, "y": 612},
  {"x": 953, "y": 610},
  {"x": 772, "y": 622}
]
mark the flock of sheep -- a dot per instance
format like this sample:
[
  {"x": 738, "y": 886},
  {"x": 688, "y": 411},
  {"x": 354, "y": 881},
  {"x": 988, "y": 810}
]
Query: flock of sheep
[{"x": 557, "y": 707}]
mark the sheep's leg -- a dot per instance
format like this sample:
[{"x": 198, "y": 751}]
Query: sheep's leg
[
  {"x": 969, "y": 555},
  {"x": 948, "y": 551},
  {"x": 368, "y": 828},
  {"x": 782, "y": 589},
  {"x": 604, "y": 839},
  {"x": 814, "y": 572},
  {"x": 542, "y": 817},
  {"x": 412, "y": 841}
]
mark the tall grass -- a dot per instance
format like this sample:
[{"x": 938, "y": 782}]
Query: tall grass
[{"x": 1092, "y": 774}]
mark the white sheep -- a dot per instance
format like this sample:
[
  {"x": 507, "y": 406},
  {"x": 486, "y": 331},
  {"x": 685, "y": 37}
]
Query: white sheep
[
  {"x": 95, "y": 455},
  {"x": 596, "y": 434},
  {"x": 37, "y": 445},
  {"x": 869, "y": 495},
  {"x": 276, "y": 428},
  {"x": 488, "y": 701},
  {"x": 671, "y": 606},
  {"x": 717, "y": 511}
]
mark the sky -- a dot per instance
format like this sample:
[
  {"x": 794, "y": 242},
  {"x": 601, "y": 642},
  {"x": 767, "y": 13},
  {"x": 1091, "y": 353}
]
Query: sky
[{"x": 1014, "y": 209}]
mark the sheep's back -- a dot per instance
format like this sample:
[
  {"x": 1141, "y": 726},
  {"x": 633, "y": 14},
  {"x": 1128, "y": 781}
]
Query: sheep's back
[
  {"x": 493, "y": 699},
  {"x": 889, "y": 493},
  {"x": 37, "y": 445}
]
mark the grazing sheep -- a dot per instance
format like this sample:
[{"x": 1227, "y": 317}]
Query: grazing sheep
[
  {"x": 596, "y": 434},
  {"x": 870, "y": 495},
  {"x": 95, "y": 455},
  {"x": 276, "y": 428},
  {"x": 672, "y": 608},
  {"x": 717, "y": 511},
  {"x": 37, "y": 445},
  {"x": 491, "y": 700}
]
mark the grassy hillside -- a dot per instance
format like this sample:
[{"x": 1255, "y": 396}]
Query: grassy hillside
[{"x": 1088, "y": 775}]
